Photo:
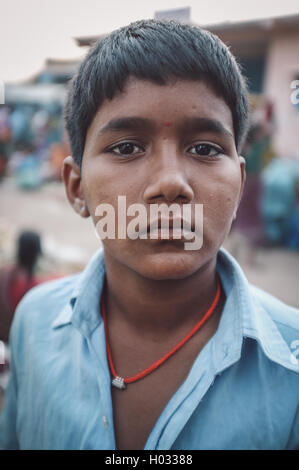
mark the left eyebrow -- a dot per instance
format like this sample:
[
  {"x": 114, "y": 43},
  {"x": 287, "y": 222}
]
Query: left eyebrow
[{"x": 201, "y": 124}]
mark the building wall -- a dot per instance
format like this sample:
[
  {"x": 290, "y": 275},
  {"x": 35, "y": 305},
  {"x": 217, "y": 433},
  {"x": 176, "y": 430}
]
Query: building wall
[{"x": 282, "y": 68}]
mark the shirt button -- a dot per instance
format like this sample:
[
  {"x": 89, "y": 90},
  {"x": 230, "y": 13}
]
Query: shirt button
[{"x": 105, "y": 421}]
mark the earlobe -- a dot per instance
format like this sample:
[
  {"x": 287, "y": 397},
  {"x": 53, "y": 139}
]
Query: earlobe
[
  {"x": 71, "y": 175},
  {"x": 243, "y": 174}
]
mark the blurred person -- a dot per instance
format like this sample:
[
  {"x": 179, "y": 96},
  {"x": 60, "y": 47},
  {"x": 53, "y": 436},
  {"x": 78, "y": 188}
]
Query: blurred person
[
  {"x": 263, "y": 118},
  {"x": 18, "y": 279},
  {"x": 17, "y": 157},
  {"x": 5, "y": 139},
  {"x": 55, "y": 130},
  {"x": 292, "y": 237},
  {"x": 20, "y": 121},
  {"x": 27, "y": 167},
  {"x": 248, "y": 229},
  {"x": 279, "y": 200},
  {"x": 40, "y": 125},
  {"x": 154, "y": 346},
  {"x": 15, "y": 281},
  {"x": 269, "y": 126}
]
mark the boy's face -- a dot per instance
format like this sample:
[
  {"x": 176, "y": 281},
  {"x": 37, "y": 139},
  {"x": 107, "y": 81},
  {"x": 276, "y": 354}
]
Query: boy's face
[{"x": 181, "y": 149}]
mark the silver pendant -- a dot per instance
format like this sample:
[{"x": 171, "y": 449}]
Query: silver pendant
[{"x": 119, "y": 382}]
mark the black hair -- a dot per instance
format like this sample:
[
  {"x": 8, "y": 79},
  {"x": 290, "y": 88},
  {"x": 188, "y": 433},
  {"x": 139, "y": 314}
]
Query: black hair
[
  {"x": 158, "y": 51},
  {"x": 28, "y": 250}
]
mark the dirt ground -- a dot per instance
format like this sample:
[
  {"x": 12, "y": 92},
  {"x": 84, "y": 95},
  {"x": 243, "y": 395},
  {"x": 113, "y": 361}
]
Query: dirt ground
[{"x": 69, "y": 241}]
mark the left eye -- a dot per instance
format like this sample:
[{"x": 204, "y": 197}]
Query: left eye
[
  {"x": 126, "y": 148},
  {"x": 205, "y": 150}
]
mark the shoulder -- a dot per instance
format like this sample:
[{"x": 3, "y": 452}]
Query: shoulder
[
  {"x": 57, "y": 290},
  {"x": 250, "y": 298},
  {"x": 42, "y": 303},
  {"x": 279, "y": 329},
  {"x": 40, "y": 308},
  {"x": 273, "y": 324},
  {"x": 283, "y": 315}
]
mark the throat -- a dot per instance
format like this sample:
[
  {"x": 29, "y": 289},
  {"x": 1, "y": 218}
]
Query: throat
[{"x": 155, "y": 315}]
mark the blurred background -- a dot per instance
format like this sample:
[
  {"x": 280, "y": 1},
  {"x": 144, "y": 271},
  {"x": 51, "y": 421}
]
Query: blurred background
[{"x": 42, "y": 44}]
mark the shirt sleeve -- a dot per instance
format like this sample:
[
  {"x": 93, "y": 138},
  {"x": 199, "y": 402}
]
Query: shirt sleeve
[{"x": 8, "y": 416}]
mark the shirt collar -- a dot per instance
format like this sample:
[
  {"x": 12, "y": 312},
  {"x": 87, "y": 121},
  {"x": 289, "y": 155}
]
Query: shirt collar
[
  {"x": 83, "y": 307},
  {"x": 243, "y": 314}
]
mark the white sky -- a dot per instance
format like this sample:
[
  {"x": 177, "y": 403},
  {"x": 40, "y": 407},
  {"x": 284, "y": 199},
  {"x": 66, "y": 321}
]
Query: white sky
[{"x": 33, "y": 30}]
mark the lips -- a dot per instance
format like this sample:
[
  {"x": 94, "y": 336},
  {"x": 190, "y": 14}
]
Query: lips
[
  {"x": 167, "y": 229},
  {"x": 172, "y": 224}
]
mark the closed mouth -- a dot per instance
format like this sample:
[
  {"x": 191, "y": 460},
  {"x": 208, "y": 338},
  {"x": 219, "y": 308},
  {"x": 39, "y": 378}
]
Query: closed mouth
[
  {"x": 171, "y": 224},
  {"x": 168, "y": 229}
]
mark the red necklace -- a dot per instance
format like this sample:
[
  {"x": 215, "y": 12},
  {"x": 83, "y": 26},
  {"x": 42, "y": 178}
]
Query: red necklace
[{"x": 120, "y": 382}]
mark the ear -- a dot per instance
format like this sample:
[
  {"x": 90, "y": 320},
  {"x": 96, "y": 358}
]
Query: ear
[
  {"x": 242, "y": 163},
  {"x": 71, "y": 176}
]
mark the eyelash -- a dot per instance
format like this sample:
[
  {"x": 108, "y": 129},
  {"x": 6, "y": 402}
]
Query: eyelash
[
  {"x": 218, "y": 150},
  {"x": 127, "y": 142}
]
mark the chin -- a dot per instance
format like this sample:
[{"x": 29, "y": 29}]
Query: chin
[
  {"x": 169, "y": 266},
  {"x": 161, "y": 263}
]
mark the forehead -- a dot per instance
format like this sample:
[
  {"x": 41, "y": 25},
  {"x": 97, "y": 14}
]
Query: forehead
[{"x": 166, "y": 105}]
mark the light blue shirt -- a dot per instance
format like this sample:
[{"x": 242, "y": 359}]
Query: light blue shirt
[{"x": 242, "y": 391}]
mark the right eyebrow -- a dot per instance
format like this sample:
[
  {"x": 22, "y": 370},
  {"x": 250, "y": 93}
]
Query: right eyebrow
[
  {"x": 126, "y": 123},
  {"x": 203, "y": 124}
]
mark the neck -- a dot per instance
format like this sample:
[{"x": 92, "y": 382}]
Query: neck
[{"x": 155, "y": 306}]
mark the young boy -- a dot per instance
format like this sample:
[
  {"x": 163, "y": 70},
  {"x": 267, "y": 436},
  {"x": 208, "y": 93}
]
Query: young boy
[{"x": 155, "y": 345}]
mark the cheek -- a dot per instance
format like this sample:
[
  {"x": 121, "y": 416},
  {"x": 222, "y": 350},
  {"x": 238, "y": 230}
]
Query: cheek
[
  {"x": 99, "y": 187},
  {"x": 220, "y": 201},
  {"x": 103, "y": 185}
]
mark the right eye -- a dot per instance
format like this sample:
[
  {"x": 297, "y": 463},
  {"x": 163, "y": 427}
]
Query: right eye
[{"x": 126, "y": 149}]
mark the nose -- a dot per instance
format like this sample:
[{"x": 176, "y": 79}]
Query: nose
[{"x": 168, "y": 179}]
